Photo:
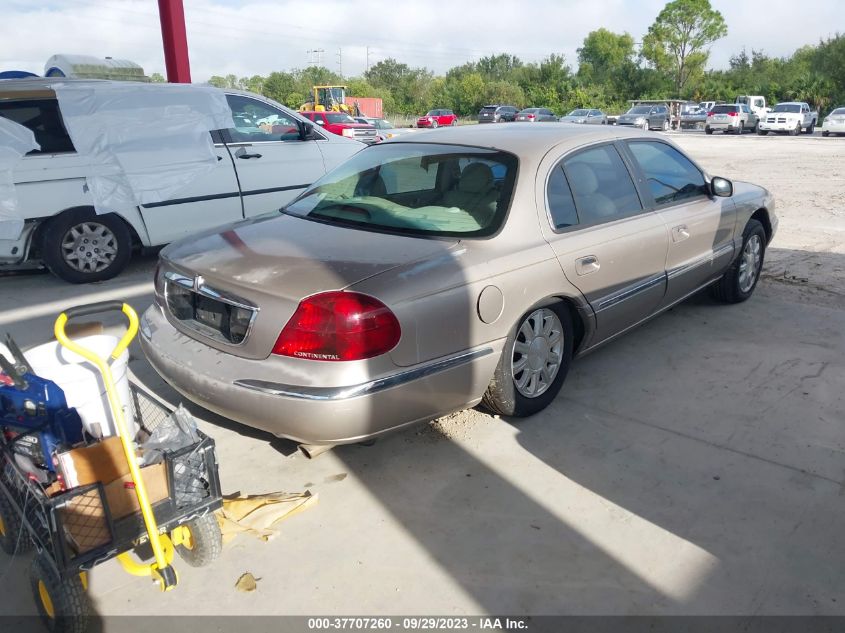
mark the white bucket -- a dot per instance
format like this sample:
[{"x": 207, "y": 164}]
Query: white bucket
[{"x": 82, "y": 383}]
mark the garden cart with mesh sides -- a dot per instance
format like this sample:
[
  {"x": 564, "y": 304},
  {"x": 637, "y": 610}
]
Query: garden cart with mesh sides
[{"x": 152, "y": 509}]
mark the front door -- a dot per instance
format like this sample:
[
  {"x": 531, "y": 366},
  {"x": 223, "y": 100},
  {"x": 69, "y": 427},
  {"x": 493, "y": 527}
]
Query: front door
[
  {"x": 273, "y": 163},
  {"x": 700, "y": 226},
  {"x": 608, "y": 245}
]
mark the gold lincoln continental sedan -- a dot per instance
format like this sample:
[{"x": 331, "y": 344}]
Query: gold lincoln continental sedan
[{"x": 431, "y": 273}]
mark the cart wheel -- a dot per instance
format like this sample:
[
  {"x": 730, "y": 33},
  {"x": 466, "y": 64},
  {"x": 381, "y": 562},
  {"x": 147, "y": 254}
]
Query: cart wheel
[
  {"x": 201, "y": 541},
  {"x": 62, "y": 604},
  {"x": 14, "y": 538}
]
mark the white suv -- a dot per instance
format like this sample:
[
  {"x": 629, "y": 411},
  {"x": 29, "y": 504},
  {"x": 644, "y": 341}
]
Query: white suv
[{"x": 270, "y": 156}]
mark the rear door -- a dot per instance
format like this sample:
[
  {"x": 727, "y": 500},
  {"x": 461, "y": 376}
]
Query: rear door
[
  {"x": 273, "y": 163},
  {"x": 700, "y": 226},
  {"x": 609, "y": 246}
]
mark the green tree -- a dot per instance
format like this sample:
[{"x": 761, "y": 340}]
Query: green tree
[
  {"x": 676, "y": 44},
  {"x": 278, "y": 86},
  {"x": 604, "y": 53},
  {"x": 157, "y": 78}
]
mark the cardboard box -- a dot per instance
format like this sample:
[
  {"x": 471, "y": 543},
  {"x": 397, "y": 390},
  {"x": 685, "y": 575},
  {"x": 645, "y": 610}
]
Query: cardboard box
[
  {"x": 103, "y": 461},
  {"x": 84, "y": 518},
  {"x": 121, "y": 495}
]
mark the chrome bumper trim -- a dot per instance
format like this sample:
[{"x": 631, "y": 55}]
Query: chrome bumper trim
[{"x": 363, "y": 389}]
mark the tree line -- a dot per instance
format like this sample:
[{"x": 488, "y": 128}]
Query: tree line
[{"x": 611, "y": 69}]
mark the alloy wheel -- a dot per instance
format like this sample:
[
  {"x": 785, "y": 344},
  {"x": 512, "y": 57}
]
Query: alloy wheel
[
  {"x": 749, "y": 263},
  {"x": 89, "y": 247},
  {"x": 537, "y": 352}
]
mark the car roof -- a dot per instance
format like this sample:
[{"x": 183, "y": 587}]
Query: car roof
[{"x": 523, "y": 140}]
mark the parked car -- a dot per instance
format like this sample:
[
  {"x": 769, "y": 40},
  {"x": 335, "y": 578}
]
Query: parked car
[
  {"x": 413, "y": 281},
  {"x": 437, "y": 118},
  {"x": 343, "y": 124},
  {"x": 264, "y": 162},
  {"x": 384, "y": 128},
  {"x": 647, "y": 117},
  {"x": 497, "y": 114},
  {"x": 583, "y": 115},
  {"x": 536, "y": 115},
  {"x": 791, "y": 117},
  {"x": 693, "y": 116},
  {"x": 734, "y": 117},
  {"x": 834, "y": 123}
]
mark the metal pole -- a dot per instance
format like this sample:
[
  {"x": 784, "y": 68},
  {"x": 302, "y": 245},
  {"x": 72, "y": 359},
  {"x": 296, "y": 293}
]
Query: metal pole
[{"x": 175, "y": 39}]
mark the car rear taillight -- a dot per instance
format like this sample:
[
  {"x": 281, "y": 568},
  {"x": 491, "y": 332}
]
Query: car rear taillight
[
  {"x": 709, "y": 114},
  {"x": 530, "y": 116},
  {"x": 733, "y": 113},
  {"x": 337, "y": 326}
]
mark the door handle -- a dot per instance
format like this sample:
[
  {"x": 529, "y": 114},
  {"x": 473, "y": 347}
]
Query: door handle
[
  {"x": 587, "y": 265},
  {"x": 242, "y": 153},
  {"x": 680, "y": 233}
]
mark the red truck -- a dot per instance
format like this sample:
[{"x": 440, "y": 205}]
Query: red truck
[{"x": 342, "y": 124}]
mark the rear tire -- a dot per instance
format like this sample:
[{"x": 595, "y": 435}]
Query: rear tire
[
  {"x": 62, "y": 604},
  {"x": 708, "y": 130},
  {"x": 735, "y": 286},
  {"x": 509, "y": 392},
  {"x": 825, "y": 134},
  {"x": 206, "y": 542},
  {"x": 80, "y": 247}
]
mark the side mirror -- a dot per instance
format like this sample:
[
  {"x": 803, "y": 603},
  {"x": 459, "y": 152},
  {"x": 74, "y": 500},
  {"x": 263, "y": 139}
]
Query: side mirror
[{"x": 721, "y": 187}]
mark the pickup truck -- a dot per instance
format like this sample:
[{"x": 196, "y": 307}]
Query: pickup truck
[
  {"x": 755, "y": 103},
  {"x": 790, "y": 117},
  {"x": 263, "y": 163},
  {"x": 343, "y": 124}
]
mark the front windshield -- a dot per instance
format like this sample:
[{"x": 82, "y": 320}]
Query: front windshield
[
  {"x": 432, "y": 113},
  {"x": 787, "y": 107},
  {"x": 578, "y": 113},
  {"x": 383, "y": 124},
  {"x": 640, "y": 110},
  {"x": 416, "y": 189},
  {"x": 339, "y": 117}
]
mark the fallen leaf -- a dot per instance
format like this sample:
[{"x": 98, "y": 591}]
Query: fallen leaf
[{"x": 247, "y": 582}]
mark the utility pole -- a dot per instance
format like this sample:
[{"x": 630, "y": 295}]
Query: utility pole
[
  {"x": 340, "y": 61},
  {"x": 315, "y": 54},
  {"x": 368, "y": 59}
]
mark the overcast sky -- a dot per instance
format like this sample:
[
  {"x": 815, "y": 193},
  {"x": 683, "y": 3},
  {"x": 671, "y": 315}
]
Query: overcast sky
[{"x": 247, "y": 37}]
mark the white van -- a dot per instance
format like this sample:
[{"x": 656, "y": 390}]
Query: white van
[{"x": 265, "y": 161}]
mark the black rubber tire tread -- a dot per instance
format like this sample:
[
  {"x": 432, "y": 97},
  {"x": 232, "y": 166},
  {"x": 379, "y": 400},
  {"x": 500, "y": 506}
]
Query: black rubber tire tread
[
  {"x": 56, "y": 228},
  {"x": 726, "y": 289},
  {"x": 761, "y": 132},
  {"x": 811, "y": 128},
  {"x": 502, "y": 398},
  {"x": 208, "y": 541},
  {"x": 16, "y": 539},
  {"x": 71, "y": 604}
]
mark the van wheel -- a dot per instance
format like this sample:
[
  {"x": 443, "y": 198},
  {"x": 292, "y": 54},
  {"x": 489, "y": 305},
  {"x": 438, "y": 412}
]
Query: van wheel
[
  {"x": 534, "y": 363},
  {"x": 80, "y": 246}
]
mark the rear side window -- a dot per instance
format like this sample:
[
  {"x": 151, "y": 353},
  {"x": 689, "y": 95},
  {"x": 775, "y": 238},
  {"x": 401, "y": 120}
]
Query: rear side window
[
  {"x": 601, "y": 185},
  {"x": 43, "y": 118},
  {"x": 561, "y": 203},
  {"x": 671, "y": 176}
]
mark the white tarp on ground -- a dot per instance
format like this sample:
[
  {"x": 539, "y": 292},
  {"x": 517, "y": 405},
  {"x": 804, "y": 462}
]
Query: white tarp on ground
[
  {"x": 15, "y": 142},
  {"x": 143, "y": 142}
]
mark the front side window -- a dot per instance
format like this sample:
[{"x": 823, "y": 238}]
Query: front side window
[
  {"x": 671, "y": 176},
  {"x": 758, "y": 103},
  {"x": 639, "y": 110},
  {"x": 42, "y": 117},
  {"x": 256, "y": 121},
  {"x": 601, "y": 185},
  {"x": 415, "y": 189},
  {"x": 578, "y": 113}
]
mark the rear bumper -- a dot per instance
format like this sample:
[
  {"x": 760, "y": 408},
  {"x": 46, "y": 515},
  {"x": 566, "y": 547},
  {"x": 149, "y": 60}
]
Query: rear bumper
[
  {"x": 724, "y": 125},
  {"x": 243, "y": 390},
  {"x": 834, "y": 128}
]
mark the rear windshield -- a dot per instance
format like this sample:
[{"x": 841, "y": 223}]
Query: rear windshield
[
  {"x": 339, "y": 117},
  {"x": 415, "y": 189},
  {"x": 723, "y": 109},
  {"x": 839, "y": 111},
  {"x": 787, "y": 107},
  {"x": 489, "y": 108},
  {"x": 640, "y": 110},
  {"x": 530, "y": 110}
]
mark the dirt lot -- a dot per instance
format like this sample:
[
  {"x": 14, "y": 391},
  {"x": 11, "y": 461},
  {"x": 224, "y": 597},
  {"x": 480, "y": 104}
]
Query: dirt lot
[{"x": 696, "y": 466}]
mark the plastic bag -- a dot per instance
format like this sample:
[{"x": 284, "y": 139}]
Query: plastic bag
[{"x": 177, "y": 431}]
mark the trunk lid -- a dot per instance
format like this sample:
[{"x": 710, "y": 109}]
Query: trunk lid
[{"x": 273, "y": 262}]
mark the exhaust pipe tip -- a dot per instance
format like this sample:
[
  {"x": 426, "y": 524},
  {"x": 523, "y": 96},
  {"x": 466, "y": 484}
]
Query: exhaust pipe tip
[{"x": 312, "y": 451}]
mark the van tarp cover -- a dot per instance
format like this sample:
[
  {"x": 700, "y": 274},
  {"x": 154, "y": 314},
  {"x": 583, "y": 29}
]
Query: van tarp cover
[
  {"x": 143, "y": 143},
  {"x": 15, "y": 142}
]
